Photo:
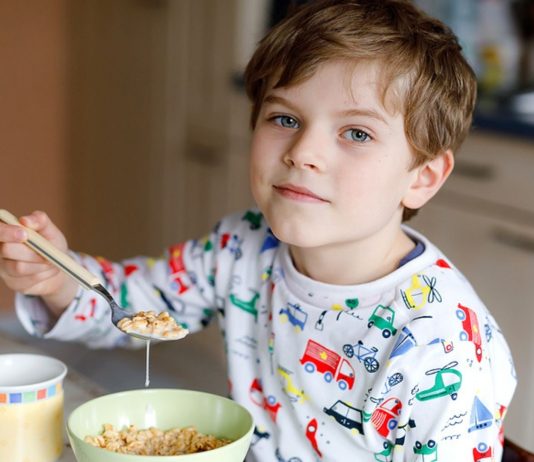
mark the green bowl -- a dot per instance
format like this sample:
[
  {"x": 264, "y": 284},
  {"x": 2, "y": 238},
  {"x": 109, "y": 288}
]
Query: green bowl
[{"x": 164, "y": 409}]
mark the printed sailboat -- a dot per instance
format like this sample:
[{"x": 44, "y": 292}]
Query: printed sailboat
[{"x": 481, "y": 416}]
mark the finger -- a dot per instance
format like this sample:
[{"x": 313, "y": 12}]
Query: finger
[
  {"x": 22, "y": 285},
  {"x": 20, "y": 269},
  {"x": 37, "y": 284},
  {"x": 40, "y": 222},
  {"x": 20, "y": 252},
  {"x": 36, "y": 220},
  {"x": 11, "y": 233}
]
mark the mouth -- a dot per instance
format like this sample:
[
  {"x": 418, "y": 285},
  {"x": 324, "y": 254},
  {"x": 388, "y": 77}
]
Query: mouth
[{"x": 298, "y": 193}]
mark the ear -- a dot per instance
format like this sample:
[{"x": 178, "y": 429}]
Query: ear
[{"x": 428, "y": 179}]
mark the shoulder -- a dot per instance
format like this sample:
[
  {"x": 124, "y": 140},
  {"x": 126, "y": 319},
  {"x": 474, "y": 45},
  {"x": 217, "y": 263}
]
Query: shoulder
[
  {"x": 246, "y": 229},
  {"x": 250, "y": 218},
  {"x": 438, "y": 301},
  {"x": 248, "y": 221},
  {"x": 237, "y": 238},
  {"x": 438, "y": 278},
  {"x": 443, "y": 313},
  {"x": 236, "y": 234}
]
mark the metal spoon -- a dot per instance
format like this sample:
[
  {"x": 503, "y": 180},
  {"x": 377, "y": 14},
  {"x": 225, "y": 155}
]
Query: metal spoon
[{"x": 84, "y": 277}]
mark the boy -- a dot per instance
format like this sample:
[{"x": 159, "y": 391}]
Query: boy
[{"x": 349, "y": 336}]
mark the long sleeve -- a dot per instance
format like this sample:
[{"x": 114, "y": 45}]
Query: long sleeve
[{"x": 181, "y": 282}]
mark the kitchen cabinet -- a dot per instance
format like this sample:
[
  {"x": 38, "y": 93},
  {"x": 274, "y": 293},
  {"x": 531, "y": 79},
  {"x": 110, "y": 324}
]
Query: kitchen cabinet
[
  {"x": 156, "y": 155},
  {"x": 135, "y": 111},
  {"x": 483, "y": 219},
  {"x": 146, "y": 140}
]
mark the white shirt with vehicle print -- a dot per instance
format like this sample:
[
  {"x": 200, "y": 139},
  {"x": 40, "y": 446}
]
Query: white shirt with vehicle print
[{"x": 409, "y": 367}]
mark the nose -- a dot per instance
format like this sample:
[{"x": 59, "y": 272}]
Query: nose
[{"x": 307, "y": 151}]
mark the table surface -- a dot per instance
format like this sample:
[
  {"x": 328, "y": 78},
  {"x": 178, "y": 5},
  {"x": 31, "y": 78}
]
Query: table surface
[{"x": 78, "y": 388}]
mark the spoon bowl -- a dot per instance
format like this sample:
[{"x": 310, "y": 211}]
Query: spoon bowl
[{"x": 81, "y": 275}]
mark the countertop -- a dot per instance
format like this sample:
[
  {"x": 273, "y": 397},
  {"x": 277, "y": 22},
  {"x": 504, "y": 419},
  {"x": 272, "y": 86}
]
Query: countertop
[
  {"x": 505, "y": 123},
  {"x": 196, "y": 362}
]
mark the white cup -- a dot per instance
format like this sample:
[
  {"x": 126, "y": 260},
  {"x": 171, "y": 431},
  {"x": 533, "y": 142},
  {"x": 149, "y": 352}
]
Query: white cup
[{"x": 31, "y": 408}]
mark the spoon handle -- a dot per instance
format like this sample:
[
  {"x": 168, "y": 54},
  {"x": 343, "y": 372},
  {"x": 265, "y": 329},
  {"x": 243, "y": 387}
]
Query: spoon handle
[{"x": 51, "y": 253}]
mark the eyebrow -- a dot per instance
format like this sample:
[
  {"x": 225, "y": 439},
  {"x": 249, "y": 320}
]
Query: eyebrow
[
  {"x": 365, "y": 112},
  {"x": 274, "y": 99}
]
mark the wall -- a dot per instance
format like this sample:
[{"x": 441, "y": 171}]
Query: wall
[
  {"x": 33, "y": 116},
  {"x": 120, "y": 176},
  {"x": 120, "y": 115},
  {"x": 116, "y": 113}
]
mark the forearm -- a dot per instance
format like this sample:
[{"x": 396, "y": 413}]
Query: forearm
[
  {"x": 58, "y": 302},
  {"x": 136, "y": 284}
]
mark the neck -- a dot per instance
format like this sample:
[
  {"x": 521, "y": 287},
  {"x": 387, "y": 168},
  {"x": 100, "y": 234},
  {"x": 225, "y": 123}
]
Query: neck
[{"x": 353, "y": 263}]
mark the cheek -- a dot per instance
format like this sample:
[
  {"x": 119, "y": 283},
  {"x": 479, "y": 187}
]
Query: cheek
[
  {"x": 255, "y": 157},
  {"x": 259, "y": 168},
  {"x": 353, "y": 181},
  {"x": 370, "y": 185},
  {"x": 263, "y": 155}
]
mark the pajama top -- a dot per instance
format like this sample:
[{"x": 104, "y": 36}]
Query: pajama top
[{"x": 408, "y": 367}]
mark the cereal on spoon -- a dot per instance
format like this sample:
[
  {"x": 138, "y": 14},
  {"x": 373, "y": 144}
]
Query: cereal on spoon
[{"x": 150, "y": 323}]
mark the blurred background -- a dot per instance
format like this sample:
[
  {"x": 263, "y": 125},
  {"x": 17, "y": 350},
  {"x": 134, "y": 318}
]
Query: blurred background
[{"x": 127, "y": 122}]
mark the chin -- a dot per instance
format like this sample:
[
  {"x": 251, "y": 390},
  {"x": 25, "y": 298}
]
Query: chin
[
  {"x": 302, "y": 235},
  {"x": 294, "y": 225}
]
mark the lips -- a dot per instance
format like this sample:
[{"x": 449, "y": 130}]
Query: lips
[{"x": 298, "y": 192}]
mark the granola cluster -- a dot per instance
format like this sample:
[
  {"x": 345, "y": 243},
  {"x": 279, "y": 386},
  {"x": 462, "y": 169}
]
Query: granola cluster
[
  {"x": 149, "y": 323},
  {"x": 155, "y": 442}
]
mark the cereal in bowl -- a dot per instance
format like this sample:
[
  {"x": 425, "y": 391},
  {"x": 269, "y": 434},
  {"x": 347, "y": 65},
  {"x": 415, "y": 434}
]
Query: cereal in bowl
[
  {"x": 149, "y": 323},
  {"x": 155, "y": 442}
]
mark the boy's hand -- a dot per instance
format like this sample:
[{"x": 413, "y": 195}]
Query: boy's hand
[{"x": 25, "y": 271}]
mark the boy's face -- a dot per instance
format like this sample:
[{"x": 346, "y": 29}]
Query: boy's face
[{"x": 329, "y": 164}]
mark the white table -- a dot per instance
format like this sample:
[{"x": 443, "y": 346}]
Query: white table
[{"x": 77, "y": 388}]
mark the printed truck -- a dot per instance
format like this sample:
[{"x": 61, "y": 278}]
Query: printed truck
[
  {"x": 482, "y": 453},
  {"x": 327, "y": 362},
  {"x": 471, "y": 328},
  {"x": 385, "y": 416},
  {"x": 177, "y": 267},
  {"x": 386, "y": 454},
  {"x": 428, "y": 451},
  {"x": 269, "y": 403},
  {"x": 383, "y": 317}
]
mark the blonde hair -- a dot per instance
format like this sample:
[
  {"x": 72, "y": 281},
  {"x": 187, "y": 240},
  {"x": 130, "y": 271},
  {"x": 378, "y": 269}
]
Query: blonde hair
[{"x": 424, "y": 72}]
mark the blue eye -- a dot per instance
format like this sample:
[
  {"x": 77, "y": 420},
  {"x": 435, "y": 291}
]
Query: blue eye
[
  {"x": 286, "y": 121},
  {"x": 354, "y": 134}
]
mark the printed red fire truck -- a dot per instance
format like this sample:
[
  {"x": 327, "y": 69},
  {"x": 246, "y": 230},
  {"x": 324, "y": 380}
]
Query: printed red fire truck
[
  {"x": 318, "y": 358},
  {"x": 177, "y": 267},
  {"x": 385, "y": 416},
  {"x": 471, "y": 329},
  {"x": 483, "y": 453}
]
